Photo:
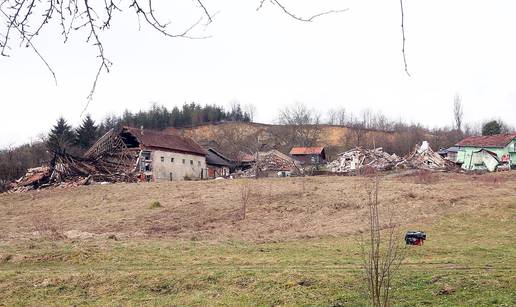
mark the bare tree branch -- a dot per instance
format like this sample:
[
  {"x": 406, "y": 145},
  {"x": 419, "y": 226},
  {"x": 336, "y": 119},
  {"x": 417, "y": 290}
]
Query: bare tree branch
[
  {"x": 289, "y": 13},
  {"x": 205, "y": 11},
  {"x": 403, "y": 36}
]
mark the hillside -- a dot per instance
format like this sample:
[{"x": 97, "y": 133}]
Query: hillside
[
  {"x": 335, "y": 137},
  {"x": 106, "y": 244}
]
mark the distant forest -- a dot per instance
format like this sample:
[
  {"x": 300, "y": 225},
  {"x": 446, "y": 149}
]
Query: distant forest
[{"x": 160, "y": 117}]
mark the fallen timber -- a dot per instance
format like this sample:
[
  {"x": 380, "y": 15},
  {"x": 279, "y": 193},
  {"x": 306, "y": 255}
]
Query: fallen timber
[
  {"x": 357, "y": 159},
  {"x": 111, "y": 162}
]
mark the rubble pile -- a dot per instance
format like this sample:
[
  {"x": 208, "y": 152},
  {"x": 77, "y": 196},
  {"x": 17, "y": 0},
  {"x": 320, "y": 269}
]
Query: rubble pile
[
  {"x": 358, "y": 158},
  {"x": 65, "y": 171},
  {"x": 423, "y": 157},
  {"x": 272, "y": 161}
]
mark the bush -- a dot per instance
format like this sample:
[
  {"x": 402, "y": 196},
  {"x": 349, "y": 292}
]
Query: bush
[
  {"x": 155, "y": 204},
  {"x": 425, "y": 177}
]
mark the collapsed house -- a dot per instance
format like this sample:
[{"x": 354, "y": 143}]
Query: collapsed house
[
  {"x": 122, "y": 155},
  {"x": 65, "y": 170},
  {"x": 156, "y": 156},
  {"x": 273, "y": 163},
  {"x": 358, "y": 158},
  {"x": 423, "y": 157},
  {"x": 481, "y": 152}
]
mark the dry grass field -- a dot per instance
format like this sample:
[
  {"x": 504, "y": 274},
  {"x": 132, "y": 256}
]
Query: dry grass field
[{"x": 115, "y": 245}]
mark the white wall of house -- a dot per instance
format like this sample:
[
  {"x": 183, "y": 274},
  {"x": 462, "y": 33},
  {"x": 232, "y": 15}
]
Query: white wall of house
[{"x": 168, "y": 166}]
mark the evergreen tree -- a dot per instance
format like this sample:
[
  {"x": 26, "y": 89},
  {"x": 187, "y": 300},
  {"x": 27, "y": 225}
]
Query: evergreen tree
[
  {"x": 87, "y": 133},
  {"x": 491, "y": 127},
  {"x": 61, "y": 137}
]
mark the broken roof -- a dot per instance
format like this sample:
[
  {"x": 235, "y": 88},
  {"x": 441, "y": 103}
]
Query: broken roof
[
  {"x": 497, "y": 140},
  {"x": 306, "y": 150},
  {"x": 216, "y": 158},
  {"x": 156, "y": 139}
]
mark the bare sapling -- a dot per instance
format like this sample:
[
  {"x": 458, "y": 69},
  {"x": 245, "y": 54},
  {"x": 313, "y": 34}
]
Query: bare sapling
[
  {"x": 245, "y": 193},
  {"x": 382, "y": 252}
]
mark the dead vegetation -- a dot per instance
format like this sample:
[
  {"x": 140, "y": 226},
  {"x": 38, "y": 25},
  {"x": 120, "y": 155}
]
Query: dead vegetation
[
  {"x": 205, "y": 210},
  {"x": 382, "y": 252}
]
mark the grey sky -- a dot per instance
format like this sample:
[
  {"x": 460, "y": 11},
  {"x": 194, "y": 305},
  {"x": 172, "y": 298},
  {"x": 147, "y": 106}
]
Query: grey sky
[{"x": 351, "y": 59}]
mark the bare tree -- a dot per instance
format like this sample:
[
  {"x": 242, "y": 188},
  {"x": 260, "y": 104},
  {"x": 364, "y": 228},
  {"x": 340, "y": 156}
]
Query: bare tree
[
  {"x": 337, "y": 116},
  {"x": 457, "y": 112},
  {"x": 358, "y": 130},
  {"x": 332, "y": 117},
  {"x": 382, "y": 253},
  {"x": 26, "y": 19},
  {"x": 245, "y": 192},
  {"x": 341, "y": 116},
  {"x": 303, "y": 124},
  {"x": 250, "y": 109}
]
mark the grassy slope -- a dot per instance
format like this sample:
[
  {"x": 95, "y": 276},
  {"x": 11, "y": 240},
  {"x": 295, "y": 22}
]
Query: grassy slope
[{"x": 469, "y": 259}]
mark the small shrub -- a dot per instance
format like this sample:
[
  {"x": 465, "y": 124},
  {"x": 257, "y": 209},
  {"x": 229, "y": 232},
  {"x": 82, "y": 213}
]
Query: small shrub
[
  {"x": 4, "y": 186},
  {"x": 155, "y": 204},
  {"x": 425, "y": 177},
  {"x": 46, "y": 227},
  {"x": 490, "y": 179},
  {"x": 245, "y": 192}
]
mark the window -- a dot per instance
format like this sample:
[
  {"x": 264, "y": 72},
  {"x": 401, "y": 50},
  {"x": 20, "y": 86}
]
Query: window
[
  {"x": 199, "y": 163},
  {"x": 162, "y": 159},
  {"x": 172, "y": 160},
  {"x": 191, "y": 162},
  {"x": 146, "y": 155},
  {"x": 184, "y": 161}
]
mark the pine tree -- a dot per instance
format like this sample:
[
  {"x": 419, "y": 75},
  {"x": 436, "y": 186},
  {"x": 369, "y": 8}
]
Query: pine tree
[
  {"x": 87, "y": 133},
  {"x": 61, "y": 137},
  {"x": 491, "y": 127}
]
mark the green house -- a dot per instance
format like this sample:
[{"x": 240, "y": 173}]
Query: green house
[{"x": 486, "y": 152}]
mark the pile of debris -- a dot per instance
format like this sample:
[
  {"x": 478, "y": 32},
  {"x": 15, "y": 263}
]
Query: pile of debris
[
  {"x": 423, "y": 157},
  {"x": 65, "y": 170},
  {"x": 358, "y": 158},
  {"x": 273, "y": 163}
]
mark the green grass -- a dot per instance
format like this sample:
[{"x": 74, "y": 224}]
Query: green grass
[{"x": 472, "y": 257}]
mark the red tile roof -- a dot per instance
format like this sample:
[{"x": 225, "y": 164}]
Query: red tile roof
[
  {"x": 156, "y": 139},
  {"x": 306, "y": 150},
  {"x": 497, "y": 140}
]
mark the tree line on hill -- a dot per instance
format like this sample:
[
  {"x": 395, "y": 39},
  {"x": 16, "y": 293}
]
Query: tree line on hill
[{"x": 299, "y": 126}]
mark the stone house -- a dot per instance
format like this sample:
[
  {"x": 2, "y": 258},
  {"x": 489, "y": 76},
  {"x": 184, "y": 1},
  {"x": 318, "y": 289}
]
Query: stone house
[{"x": 158, "y": 156}]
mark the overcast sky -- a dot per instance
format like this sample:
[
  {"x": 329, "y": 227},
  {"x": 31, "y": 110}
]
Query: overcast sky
[{"x": 352, "y": 60}]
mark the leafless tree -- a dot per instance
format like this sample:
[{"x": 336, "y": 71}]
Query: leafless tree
[
  {"x": 457, "y": 112},
  {"x": 245, "y": 192},
  {"x": 303, "y": 124},
  {"x": 358, "y": 130},
  {"x": 337, "y": 116},
  {"x": 332, "y": 117},
  {"x": 24, "y": 20},
  {"x": 250, "y": 109},
  {"x": 382, "y": 252}
]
